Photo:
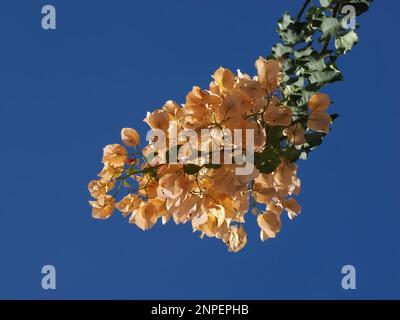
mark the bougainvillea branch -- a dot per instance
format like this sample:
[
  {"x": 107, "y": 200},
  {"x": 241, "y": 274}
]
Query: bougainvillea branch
[{"x": 231, "y": 149}]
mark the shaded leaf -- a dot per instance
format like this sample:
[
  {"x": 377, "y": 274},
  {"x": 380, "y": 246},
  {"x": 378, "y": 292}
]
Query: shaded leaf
[
  {"x": 191, "y": 168},
  {"x": 345, "y": 43}
]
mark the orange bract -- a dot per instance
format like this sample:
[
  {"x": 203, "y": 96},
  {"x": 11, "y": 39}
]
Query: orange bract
[
  {"x": 130, "y": 137},
  {"x": 214, "y": 199}
]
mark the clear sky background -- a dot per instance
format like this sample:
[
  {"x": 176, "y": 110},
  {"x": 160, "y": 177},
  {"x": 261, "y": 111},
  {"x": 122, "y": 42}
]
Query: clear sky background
[{"x": 65, "y": 94}]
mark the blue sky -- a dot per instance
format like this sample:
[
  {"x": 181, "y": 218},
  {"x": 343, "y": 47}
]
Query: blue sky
[{"x": 66, "y": 93}]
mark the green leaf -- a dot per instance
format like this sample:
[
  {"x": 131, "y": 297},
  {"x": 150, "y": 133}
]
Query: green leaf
[
  {"x": 303, "y": 156},
  {"x": 316, "y": 64},
  {"x": 267, "y": 161},
  {"x": 361, "y": 6},
  {"x": 132, "y": 171},
  {"x": 150, "y": 170},
  {"x": 291, "y": 154},
  {"x": 291, "y": 37},
  {"x": 329, "y": 27},
  {"x": 274, "y": 136},
  {"x": 280, "y": 50},
  {"x": 345, "y": 43},
  {"x": 191, "y": 168},
  {"x": 288, "y": 66},
  {"x": 314, "y": 139},
  {"x": 296, "y": 81},
  {"x": 325, "y": 3},
  {"x": 303, "y": 52},
  {"x": 334, "y": 116},
  {"x": 323, "y": 77},
  {"x": 285, "y": 21},
  {"x": 304, "y": 98},
  {"x": 213, "y": 166}
]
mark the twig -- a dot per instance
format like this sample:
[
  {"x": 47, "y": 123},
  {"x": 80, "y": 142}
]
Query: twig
[{"x": 303, "y": 8}]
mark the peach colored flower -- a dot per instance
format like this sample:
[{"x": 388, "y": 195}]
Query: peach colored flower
[
  {"x": 158, "y": 119},
  {"x": 115, "y": 155},
  {"x": 319, "y": 120},
  {"x": 99, "y": 188},
  {"x": 110, "y": 172},
  {"x": 278, "y": 115},
  {"x": 270, "y": 224},
  {"x": 224, "y": 79},
  {"x": 174, "y": 110},
  {"x": 145, "y": 216},
  {"x": 214, "y": 199},
  {"x": 319, "y": 102},
  {"x": 292, "y": 208},
  {"x": 173, "y": 185},
  {"x": 130, "y": 137},
  {"x": 237, "y": 238},
  {"x": 268, "y": 73},
  {"x": 295, "y": 134},
  {"x": 103, "y": 207},
  {"x": 128, "y": 204}
]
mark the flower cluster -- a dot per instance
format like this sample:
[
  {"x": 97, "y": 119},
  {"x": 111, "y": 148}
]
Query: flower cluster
[{"x": 145, "y": 185}]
